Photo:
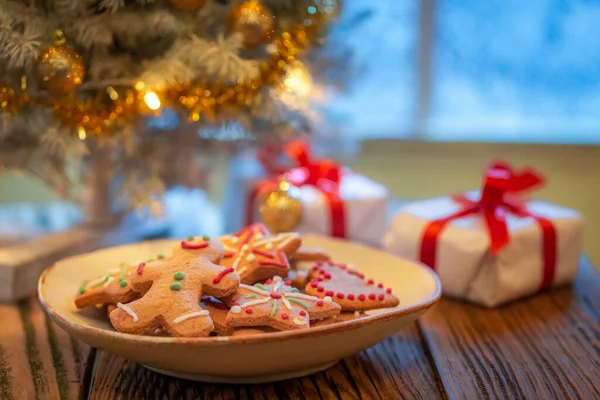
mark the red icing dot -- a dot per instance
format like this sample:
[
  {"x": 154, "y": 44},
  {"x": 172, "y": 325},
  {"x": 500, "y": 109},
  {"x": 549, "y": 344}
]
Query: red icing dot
[
  {"x": 314, "y": 285},
  {"x": 284, "y": 316},
  {"x": 370, "y": 281},
  {"x": 288, "y": 283},
  {"x": 342, "y": 266},
  {"x": 321, "y": 272},
  {"x": 327, "y": 276},
  {"x": 339, "y": 295},
  {"x": 380, "y": 285},
  {"x": 140, "y": 268},
  {"x": 236, "y": 303},
  {"x": 319, "y": 263},
  {"x": 316, "y": 267},
  {"x": 361, "y": 297},
  {"x": 381, "y": 297},
  {"x": 361, "y": 275},
  {"x": 320, "y": 289},
  {"x": 303, "y": 313},
  {"x": 329, "y": 293},
  {"x": 320, "y": 279},
  {"x": 269, "y": 281},
  {"x": 372, "y": 296},
  {"x": 248, "y": 311},
  {"x": 350, "y": 297},
  {"x": 320, "y": 303},
  {"x": 275, "y": 295},
  {"x": 388, "y": 290}
]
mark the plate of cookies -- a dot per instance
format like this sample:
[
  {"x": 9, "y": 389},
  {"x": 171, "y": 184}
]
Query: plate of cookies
[{"x": 248, "y": 307}]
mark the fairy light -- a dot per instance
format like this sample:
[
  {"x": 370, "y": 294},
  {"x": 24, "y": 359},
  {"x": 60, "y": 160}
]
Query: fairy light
[
  {"x": 152, "y": 101},
  {"x": 298, "y": 80},
  {"x": 81, "y": 132}
]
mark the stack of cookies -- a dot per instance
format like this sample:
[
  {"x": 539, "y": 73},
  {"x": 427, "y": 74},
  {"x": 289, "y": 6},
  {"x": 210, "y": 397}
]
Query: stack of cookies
[{"x": 248, "y": 282}]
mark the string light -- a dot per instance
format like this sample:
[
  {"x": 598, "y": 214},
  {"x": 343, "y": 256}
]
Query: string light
[
  {"x": 152, "y": 101},
  {"x": 81, "y": 132}
]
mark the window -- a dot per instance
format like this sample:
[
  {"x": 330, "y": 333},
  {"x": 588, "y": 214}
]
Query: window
[{"x": 493, "y": 70}]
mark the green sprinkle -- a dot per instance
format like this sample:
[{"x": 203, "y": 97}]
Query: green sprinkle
[
  {"x": 294, "y": 290},
  {"x": 179, "y": 275},
  {"x": 81, "y": 290},
  {"x": 175, "y": 286},
  {"x": 253, "y": 296},
  {"x": 123, "y": 283},
  {"x": 190, "y": 238},
  {"x": 205, "y": 237},
  {"x": 273, "y": 309},
  {"x": 122, "y": 274},
  {"x": 263, "y": 287},
  {"x": 300, "y": 303},
  {"x": 150, "y": 260},
  {"x": 82, "y": 286},
  {"x": 102, "y": 282},
  {"x": 160, "y": 257}
]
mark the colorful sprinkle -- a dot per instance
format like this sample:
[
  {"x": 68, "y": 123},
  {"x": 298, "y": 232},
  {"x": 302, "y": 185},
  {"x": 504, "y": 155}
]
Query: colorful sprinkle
[
  {"x": 190, "y": 238},
  {"x": 300, "y": 303},
  {"x": 122, "y": 276},
  {"x": 122, "y": 283},
  {"x": 150, "y": 260},
  {"x": 350, "y": 297},
  {"x": 303, "y": 313},
  {"x": 314, "y": 285},
  {"x": 339, "y": 295},
  {"x": 329, "y": 293},
  {"x": 320, "y": 289},
  {"x": 327, "y": 276},
  {"x": 269, "y": 281},
  {"x": 205, "y": 237},
  {"x": 221, "y": 274},
  {"x": 176, "y": 286},
  {"x": 248, "y": 311},
  {"x": 361, "y": 297},
  {"x": 179, "y": 275},
  {"x": 140, "y": 268},
  {"x": 263, "y": 287},
  {"x": 236, "y": 309},
  {"x": 160, "y": 257},
  {"x": 388, "y": 290},
  {"x": 380, "y": 285},
  {"x": 102, "y": 282},
  {"x": 273, "y": 309},
  {"x": 82, "y": 287},
  {"x": 327, "y": 299},
  {"x": 81, "y": 290},
  {"x": 381, "y": 297},
  {"x": 320, "y": 303},
  {"x": 284, "y": 316},
  {"x": 370, "y": 281},
  {"x": 287, "y": 283},
  {"x": 294, "y": 290},
  {"x": 275, "y": 295},
  {"x": 253, "y": 296},
  {"x": 372, "y": 296}
]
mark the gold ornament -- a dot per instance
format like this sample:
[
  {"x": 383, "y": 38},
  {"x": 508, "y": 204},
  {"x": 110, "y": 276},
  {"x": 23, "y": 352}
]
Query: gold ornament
[
  {"x": 281, "y": 210},
  {"x": 188, "y": 5},
  {"x": 60, "y": 68},
  {"x": 254, "y": 21}
]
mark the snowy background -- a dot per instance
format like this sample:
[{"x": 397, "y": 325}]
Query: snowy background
[{"x": 504, "y": 70}]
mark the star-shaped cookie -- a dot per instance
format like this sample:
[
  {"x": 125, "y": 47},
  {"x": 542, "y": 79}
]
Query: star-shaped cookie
[
  {"x": 278, "y": 305},
  {"x": 348, "y": 288},
  {"x": 256, "y": 255}
]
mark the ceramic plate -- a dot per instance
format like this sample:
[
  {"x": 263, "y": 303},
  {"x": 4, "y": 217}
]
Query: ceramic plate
[{"x": 241, "y": 359}]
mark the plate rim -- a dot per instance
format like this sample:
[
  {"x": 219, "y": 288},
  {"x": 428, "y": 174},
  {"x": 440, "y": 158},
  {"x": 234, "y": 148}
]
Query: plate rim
[{"x": 251, "y": 339}]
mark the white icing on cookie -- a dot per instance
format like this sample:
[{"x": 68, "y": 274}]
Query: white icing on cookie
[
  {"x": 236, "y": 309},
  {"x": 128, "y": 311},
  {"x": 190, "y": 315}
]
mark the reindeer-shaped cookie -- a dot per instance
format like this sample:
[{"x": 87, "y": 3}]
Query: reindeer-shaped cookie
[{"x": 173, "y": 290}]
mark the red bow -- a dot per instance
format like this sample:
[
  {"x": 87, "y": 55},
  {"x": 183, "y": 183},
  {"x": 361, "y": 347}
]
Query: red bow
[
  {"x": 325, "y": 175},
  {"x": 499, "y": 196}
]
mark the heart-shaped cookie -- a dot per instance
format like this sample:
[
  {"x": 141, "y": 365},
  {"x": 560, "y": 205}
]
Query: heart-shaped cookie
[{"x": 348, "y": 288}]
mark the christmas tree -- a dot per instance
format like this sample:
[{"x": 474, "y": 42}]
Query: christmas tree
[{"x": 81, "y": 78}]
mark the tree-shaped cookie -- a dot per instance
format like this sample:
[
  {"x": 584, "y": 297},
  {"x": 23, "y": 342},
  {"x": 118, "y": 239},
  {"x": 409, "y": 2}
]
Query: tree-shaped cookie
[
  {"x": 257, "y": 255},
  {"x": 278, "y": 305},
  {"x": 173, "y": 291},
  {"x": 112, "y": 287},
  {"x": 349, "y": 288}
]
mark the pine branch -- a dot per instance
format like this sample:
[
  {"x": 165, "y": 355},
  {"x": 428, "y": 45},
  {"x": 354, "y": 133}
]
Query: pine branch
[
  {"x": 109, "y": 67},
  {"x": 21, "y": 49},
  {"x": 92, "y": 32},
  {"x": 131, "y": 25},
  {"x": 111, "y": 6}
]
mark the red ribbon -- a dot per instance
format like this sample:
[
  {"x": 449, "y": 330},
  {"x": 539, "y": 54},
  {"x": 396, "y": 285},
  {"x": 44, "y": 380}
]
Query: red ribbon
[
  {"x": 498, "y": 197},
  {"x": 325, "y": 175}
]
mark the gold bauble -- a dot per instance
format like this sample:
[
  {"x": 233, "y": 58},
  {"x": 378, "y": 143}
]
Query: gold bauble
[
  {"x": 188, "y": 5},
  {"x": 281, "y": 209},
  {"x": 60, "y": 68},
  {"x": 254, "y": 21}
]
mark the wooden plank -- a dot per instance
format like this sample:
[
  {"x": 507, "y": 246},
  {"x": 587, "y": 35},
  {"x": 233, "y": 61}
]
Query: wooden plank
[
  {"x": 543, "y": 347},
  {"x": 398, "y": 368},
  {"x": 16, "y": 381}
]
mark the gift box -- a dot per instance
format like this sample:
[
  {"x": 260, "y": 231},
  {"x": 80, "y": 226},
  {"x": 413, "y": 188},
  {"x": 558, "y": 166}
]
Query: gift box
[
  {"x": 335, "y": 201},
  {"x": 491, "y": 246}
]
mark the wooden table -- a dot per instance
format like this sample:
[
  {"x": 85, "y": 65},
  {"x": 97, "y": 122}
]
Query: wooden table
[{"x": 545, "y": 347}]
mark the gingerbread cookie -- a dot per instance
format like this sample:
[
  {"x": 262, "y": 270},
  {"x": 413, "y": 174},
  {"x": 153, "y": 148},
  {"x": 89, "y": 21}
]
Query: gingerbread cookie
[
  {"x": 256, "y": 255},
  {"x": 174, "y": 288},
  {"x": 310, "y": 254},
  {"x": 349, "y": 288},
  {"x": 218, "y": 313},
  {"x": 298, "y": 278},
  {"x": 113, "y": 287},
  {"x": 278, "y": 305}
]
